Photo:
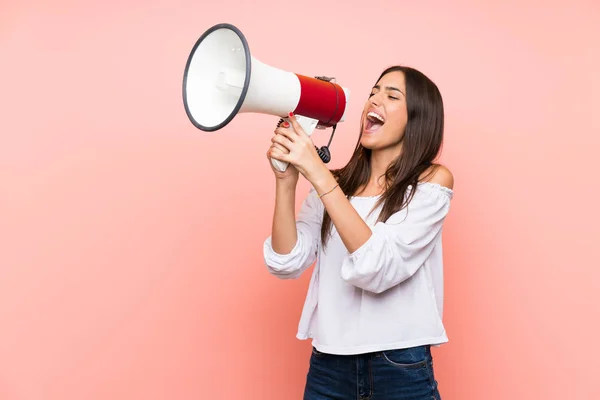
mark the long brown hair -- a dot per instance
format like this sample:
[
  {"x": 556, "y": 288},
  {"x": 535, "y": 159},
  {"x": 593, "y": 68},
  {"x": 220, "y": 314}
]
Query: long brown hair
[{"x": 421, "y": 144}]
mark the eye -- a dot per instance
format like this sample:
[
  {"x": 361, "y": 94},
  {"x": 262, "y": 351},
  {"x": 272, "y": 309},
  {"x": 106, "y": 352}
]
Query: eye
[{"x": 393, "y": 98}]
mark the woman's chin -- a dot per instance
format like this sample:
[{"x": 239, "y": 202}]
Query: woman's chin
[{"x": 367, "y": 141}]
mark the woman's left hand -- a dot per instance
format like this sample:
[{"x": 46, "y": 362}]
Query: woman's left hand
[{"x": 302, "y": 153}]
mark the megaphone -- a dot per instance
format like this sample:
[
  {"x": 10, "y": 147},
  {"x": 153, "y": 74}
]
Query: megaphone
[{"x": 223, "y": 79}]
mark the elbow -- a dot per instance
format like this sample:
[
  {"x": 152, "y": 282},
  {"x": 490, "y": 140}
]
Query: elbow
[
  {"x": 290, "y": 265},
  {"x": 290, "y": 268},
  {"x": 283, "y": 274},
  {"x": 379, "y": 289},
  {"x": 380, "y": 265},
  {"x": 376, "y": 273},
  {"x": 374, "y": 282}
]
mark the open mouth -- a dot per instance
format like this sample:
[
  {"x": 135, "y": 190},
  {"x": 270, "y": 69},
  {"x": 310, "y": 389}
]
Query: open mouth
[{"x": 374, "y": 122}]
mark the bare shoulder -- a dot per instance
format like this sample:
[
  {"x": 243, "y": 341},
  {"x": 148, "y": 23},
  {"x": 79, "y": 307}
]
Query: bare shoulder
[{"x": 439, "y": 174}]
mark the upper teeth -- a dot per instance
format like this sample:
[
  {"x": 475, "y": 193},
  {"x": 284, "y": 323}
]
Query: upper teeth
[{"x": 379, "y": 117}]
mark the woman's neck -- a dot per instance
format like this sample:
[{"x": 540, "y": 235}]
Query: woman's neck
[{"x": 381, "y": 160}]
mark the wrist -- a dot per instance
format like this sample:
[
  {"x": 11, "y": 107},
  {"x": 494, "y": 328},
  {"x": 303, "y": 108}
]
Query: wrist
[
  {"x": 323, "y": 180},
  {"x": 286, "y": 184}
]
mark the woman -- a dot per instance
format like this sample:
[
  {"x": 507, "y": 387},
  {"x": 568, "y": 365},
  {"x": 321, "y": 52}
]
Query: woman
[{"x": 374, "y": 305}]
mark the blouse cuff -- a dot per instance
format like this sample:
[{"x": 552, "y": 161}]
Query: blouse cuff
[{"x": 274, "y": 256}]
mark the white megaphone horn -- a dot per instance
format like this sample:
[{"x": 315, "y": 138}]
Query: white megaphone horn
[{"x": 222, "y": 79}]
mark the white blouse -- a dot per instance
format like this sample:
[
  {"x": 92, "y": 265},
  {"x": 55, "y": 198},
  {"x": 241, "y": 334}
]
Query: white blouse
[{"x": 388, "y": 294}]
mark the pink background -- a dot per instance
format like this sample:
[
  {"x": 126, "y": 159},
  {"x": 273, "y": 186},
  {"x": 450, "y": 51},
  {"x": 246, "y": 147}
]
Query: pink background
[{"x": 120, "y": 278}]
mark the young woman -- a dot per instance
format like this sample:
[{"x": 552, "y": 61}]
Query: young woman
[{"x": 374, "y": 304}]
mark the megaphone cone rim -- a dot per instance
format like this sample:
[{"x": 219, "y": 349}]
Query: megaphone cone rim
[{"x": 244, "y": 91}]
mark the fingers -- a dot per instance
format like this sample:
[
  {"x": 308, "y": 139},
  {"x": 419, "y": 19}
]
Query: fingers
[
  {"x": 280, "y": 148},
  {"x": 283, "y": 140},
  {"x": 277, "y": 154},
  {"x": 277, "y": 148},
  {"x": 297, "y": 128},
  {"x": 288, "y": 136},
  {"x": 287, "y": 132}
]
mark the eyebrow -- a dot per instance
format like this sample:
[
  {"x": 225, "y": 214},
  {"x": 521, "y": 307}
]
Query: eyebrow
[{"x": 389, "y": 88}]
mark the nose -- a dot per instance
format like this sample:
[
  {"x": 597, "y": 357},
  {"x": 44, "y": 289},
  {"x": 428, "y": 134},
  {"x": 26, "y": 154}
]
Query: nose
[{"x": 375, "y": 99}]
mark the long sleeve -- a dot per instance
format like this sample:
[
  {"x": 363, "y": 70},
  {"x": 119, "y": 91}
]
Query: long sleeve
[
  {"x": 398, "y": 247},
  {"x": 304, "y": 253}
]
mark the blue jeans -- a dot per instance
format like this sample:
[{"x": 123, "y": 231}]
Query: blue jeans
[{"x": 404, "y": 374}]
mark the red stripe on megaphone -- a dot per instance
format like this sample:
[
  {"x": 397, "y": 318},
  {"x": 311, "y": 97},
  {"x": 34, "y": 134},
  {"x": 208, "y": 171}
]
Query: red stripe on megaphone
[{"x": 322, "y": 100}]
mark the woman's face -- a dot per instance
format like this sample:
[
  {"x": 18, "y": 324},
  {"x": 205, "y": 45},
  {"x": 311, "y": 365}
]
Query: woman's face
[{"x": 385, "y": 113}]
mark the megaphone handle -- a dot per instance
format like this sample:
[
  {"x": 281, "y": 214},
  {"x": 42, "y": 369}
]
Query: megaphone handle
[
  {"x": 280, "y": 166},
  {"x": 308, "y": 125}
]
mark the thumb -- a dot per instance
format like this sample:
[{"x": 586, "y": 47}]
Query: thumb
[{"x": 296, "y": 125}]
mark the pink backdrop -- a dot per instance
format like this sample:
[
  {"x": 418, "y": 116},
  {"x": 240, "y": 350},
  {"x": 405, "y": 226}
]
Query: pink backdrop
[{"x": 121, "y": 279}]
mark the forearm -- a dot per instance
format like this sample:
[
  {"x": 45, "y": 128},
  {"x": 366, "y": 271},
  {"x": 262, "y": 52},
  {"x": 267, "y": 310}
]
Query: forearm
[
  {"x": 353, "y": 231},
  {"x": 284, "y": 234}
]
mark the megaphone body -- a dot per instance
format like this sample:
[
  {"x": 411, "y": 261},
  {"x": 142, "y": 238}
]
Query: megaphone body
[{"x": 223, "y": 79}]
